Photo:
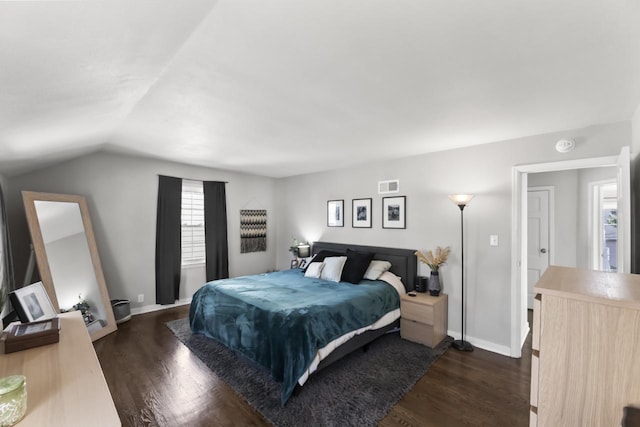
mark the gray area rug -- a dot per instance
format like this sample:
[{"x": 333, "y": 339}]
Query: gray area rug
[{"x": 358, "y": 390}]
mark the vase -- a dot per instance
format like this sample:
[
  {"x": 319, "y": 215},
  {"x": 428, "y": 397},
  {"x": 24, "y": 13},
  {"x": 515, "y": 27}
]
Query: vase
[{"x": 434, "y": 284}]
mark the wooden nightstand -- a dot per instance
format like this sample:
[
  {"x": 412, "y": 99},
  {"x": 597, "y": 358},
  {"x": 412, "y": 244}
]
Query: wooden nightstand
[{"x": 424, "y": 318}]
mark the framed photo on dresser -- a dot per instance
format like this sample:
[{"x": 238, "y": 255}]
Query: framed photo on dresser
[{"x": 32, "y": 303}]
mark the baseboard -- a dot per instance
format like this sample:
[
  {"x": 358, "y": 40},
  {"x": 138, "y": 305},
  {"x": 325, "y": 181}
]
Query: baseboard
[
  {"x": 157, "y": 307},
  {"x": 525, "y": 333},
  {"x": 483, "y": 344}
]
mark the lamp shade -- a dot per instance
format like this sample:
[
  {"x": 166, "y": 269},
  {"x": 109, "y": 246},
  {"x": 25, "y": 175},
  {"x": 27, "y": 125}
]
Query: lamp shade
[
  {"x": 304, "y": 251},
  {"x": 461, "y": 199}
]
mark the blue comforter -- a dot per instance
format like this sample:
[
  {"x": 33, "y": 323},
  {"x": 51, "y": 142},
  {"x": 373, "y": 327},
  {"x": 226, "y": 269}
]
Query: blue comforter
[{"x": 281, "y": 319}]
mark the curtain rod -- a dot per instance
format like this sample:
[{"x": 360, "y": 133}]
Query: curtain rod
[{"x": 191, "y": 179}]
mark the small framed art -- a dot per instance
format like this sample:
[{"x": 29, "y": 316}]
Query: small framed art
[
  {"x": 394, "y": 212},
  {"x": 335, "y": 213},
  {"x": 361, "y": 211},
  {"x": 32, "y": 303}
]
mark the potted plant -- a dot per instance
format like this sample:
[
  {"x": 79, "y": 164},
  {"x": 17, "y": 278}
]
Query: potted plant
[{"x": 434, "y": 261}]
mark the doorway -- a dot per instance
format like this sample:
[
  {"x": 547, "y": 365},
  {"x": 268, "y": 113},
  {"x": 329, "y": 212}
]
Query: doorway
[
  {"x": 519, "y": 263},
  {"x": 604, "y": 226}
]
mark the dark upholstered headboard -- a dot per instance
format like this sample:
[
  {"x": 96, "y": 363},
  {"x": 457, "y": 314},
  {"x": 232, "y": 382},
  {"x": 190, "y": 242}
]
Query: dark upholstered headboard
[{"x": 403, "y": 261}]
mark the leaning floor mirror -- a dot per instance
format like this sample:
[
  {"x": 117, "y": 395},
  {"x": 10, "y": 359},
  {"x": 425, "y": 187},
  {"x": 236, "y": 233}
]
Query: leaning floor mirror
[{"x": 67, "y": 257}]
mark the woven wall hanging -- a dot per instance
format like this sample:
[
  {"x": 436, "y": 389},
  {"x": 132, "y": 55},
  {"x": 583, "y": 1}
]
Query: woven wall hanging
[{"x": 253, "y": 230}]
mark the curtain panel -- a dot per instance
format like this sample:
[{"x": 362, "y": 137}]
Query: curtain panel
[
  {"x": 215, "y": 230},
  {"x": 7, "y": 279},
  {"x": 168, "y": 240}
]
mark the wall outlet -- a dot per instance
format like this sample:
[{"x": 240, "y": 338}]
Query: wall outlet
[
  {"x": 493, "y": 240},
  {"x": 141, "y": 298}
]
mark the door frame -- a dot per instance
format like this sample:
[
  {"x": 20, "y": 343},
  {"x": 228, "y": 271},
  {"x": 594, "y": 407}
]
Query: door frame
[{"x": 519, "y": 323}]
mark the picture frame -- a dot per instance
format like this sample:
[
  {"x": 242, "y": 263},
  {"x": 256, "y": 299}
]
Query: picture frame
[
  {"x": 361, "y": 213},
  {"x": 394, "y": 213},
  {"x": 294, "y": 264},
  {"x": 335, "y": 213},
  {"x": 32, "y": 303}
]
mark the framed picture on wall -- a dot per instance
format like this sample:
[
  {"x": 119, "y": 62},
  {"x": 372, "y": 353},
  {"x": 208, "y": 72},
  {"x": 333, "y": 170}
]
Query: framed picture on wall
[
  {"x": 361, "y": 213},
  {"x": 394, "y": 212},
  {"x": 335, "y": 213}
]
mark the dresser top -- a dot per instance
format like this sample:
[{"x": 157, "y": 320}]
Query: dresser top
[
  {"x": 596, "y": 286},
  {"x": 65, "y": 384}
]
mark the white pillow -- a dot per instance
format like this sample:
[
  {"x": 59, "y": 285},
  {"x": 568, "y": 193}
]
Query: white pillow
[
  {"x": 394, "y": 281},
  {"x": 376, "y": 268},
  {"x": 332, "y": 270},
  {"x": 314, "y": 270}
]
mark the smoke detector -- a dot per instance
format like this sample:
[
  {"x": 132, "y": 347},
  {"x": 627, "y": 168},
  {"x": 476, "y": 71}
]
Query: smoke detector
[{"x": 565, "y": 145}]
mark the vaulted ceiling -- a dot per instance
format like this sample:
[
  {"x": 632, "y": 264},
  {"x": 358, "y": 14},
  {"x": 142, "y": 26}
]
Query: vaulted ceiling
[{"x": 284, "y": 87}]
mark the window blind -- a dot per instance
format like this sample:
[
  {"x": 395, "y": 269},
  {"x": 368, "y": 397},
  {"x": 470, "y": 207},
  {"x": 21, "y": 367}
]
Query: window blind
[{"x": 193, "y": 247}]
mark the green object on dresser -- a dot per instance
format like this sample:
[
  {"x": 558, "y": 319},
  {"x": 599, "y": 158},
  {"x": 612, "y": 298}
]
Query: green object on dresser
[{"x": 13, "y": 399}]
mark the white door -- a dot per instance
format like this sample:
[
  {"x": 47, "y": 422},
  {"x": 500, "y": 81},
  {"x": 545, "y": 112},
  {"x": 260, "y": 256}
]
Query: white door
[{"x": 537, "y": 239}]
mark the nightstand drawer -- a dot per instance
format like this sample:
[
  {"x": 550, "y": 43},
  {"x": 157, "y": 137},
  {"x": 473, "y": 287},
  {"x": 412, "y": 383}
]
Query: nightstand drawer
[
  {"x": 417, "y": 332},
  {"x": 418, "y": 312}
]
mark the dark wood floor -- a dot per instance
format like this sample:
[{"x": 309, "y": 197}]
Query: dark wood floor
[{"x": 157, "y": 381}]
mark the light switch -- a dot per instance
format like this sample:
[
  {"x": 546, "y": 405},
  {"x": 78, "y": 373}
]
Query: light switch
[{"x": 493, "y": 240}]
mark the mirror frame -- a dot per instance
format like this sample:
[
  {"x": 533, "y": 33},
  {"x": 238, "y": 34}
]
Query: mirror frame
[{"x": 29, "y": 198}]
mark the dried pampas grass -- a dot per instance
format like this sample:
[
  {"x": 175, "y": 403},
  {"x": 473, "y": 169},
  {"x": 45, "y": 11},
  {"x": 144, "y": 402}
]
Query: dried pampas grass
[{"x": 434, "y": 261}]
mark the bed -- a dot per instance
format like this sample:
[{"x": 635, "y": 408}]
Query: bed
[{"x": 294, "y": 325}]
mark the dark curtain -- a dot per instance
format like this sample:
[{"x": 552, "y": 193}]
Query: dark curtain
[
  {"x": 168, "y": 240},
  {"x": 215, "y": 230},
  {"x": 7, "y": 278}
]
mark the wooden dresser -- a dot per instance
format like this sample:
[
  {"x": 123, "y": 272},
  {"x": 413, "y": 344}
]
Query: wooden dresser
[
  {"x": 424, "y": 318},
  {"x": 586, "y": 348},
  {"x": 65, "y": 384}
]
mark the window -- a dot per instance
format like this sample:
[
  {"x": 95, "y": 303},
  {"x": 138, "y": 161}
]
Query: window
[{"x": 193, "y": 249}]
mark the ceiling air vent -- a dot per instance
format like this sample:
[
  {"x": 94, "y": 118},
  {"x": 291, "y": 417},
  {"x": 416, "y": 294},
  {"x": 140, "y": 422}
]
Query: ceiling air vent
[{"x": 386, "y": 187}]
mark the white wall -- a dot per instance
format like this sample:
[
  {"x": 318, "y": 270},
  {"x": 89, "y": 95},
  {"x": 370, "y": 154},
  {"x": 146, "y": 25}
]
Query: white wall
[
  {"x": 433, "y": 220},
  {"x": 121, "y": 192}
]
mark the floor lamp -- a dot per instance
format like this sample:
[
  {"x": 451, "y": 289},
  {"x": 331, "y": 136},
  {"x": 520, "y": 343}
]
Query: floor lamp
[{"x": 462, "y": 200}]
